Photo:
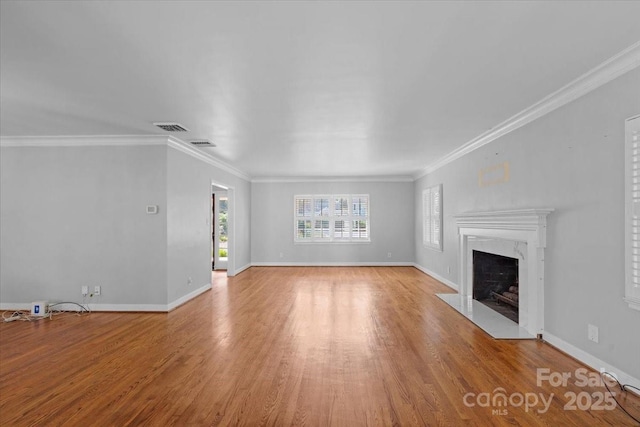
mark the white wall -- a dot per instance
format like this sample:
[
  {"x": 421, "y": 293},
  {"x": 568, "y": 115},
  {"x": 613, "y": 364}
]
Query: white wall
[
  {"x": 571, "y": 160},
  {"x": 74, "y": 216},
  {"x": 391, "y": 207}
]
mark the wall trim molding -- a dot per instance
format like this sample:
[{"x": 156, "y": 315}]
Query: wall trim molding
[
  {"x": 82, "y": 140},
  {"x": 589, "y": 359},
  {"x": 243, "y": 268},
  {"x": 293, "y": 179},
  {"x": 188, "y": 149},
  {"x": 15, "y": 306},
  {"x": 332, "y": 264},
  {"x": 153, "y": 308},
  {"x": 610, "y": 69},
  {"x": 188, "y": 297},
  {"x": 162, "y": 308},
  {"x": 120, "y": 141},
  {"x": 436, "y": 276},
  {"x": 97, "y": 307}
]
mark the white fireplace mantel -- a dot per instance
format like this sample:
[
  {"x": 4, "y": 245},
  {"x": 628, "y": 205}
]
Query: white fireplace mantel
[{"x": 523, "y": 225}]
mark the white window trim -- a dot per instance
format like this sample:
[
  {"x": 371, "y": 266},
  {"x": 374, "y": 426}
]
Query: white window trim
[
  {"x": 332, "y": 218},
  {"x": 429, "y": 215},
  {"x": 632, "y": 212}
]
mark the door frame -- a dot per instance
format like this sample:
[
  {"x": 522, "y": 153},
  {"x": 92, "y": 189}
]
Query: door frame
[{"x": 231, "y": 245}]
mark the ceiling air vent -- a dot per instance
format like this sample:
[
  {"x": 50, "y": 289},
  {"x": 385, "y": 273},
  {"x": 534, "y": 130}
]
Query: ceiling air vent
[
  {"x": 202, "y": 143},
  {"x": 171, "y": 127}
]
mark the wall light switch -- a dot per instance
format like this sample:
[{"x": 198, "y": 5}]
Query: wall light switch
[{"x": 592, "y": 333}]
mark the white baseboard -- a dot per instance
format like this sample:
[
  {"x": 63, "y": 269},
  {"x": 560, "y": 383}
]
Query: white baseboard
[
  {"x": 590, "y": 360},
  {"x": 95, "y": 307},
  {"x": 129, "y": 307},
  {"x": 332, "y": 264},
  {"x": 439, "y": 278},
  {"x": 123, "y": 307},
  {"x": 188, "y": 297},
  {"x": 243, "y": 268},
  {"x": 15, "y": 306}
]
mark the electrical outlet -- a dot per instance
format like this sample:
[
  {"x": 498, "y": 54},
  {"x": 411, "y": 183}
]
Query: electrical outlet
[
  {"x": 388, "y": 254},
  {"x": 85, "y": 291},
  {"x": 96, "y": 290},
  {"x": 281, "y": 255},
  {"x": 449, "y": 270},
  {"x": 189, "y": 281},
  {"x": 592, "y": 333}
]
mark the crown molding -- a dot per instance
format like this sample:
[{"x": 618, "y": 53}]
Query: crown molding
[
  {"x": 119, "y": 140},
  {"x": 612, "y": 68},
  {"x": 186, "y": 148},
  {"x": 297, "y": 179},
  {"x": 82, "y": 140}
]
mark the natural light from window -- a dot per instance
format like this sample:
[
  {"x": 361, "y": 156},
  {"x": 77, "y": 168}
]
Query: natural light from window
[{"x": 331, "y": 218}]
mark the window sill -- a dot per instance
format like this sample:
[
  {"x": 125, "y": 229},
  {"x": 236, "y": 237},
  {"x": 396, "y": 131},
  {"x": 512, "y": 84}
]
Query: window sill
[
  {"x": 432, "y": 248},
  {"x": 634, "y": 303}
]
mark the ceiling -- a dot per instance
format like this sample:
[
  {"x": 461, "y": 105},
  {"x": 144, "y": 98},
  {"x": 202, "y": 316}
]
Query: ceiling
[{"x": 304, "y": 89}]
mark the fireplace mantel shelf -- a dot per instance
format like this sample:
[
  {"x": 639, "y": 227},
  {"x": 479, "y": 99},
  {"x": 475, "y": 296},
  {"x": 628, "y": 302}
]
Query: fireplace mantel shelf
[{"x": 520, "y": 219}]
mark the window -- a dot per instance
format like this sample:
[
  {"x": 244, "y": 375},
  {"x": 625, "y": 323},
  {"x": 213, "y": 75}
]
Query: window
[
  {"x": 632, "y": 213},
  {"x": 432, "y": 216},
  {"x": 332, "y": 218}
]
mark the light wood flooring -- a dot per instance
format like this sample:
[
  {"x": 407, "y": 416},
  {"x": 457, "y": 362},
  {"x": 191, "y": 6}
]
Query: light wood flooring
[{"x": 286, "y": 346}]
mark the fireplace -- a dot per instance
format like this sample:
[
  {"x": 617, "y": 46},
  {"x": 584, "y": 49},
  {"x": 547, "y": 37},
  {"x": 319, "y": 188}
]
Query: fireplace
[
  {"x": 495, "y": 283},
  {"x": 519, "y": 234}
]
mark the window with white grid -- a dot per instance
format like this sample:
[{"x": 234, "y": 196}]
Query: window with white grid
[
  {"x": 332, "y": 218},
  {"x": 432, "y": 217},
  {"x": 632, "y": 213}
]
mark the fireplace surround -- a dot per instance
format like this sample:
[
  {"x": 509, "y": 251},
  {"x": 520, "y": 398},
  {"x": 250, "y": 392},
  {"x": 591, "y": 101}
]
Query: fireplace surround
[{"x": 514, "y": 233}]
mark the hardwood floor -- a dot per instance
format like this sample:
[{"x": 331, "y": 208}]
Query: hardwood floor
[{"x": 287, "y": 346}]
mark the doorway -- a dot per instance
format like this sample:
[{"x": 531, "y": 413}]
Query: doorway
[{"x": 220, "y": 228}]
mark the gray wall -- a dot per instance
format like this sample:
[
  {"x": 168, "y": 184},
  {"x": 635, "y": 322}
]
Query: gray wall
[
  {"x": 189, "y": 221},
  {"x": 571, "y": 160},
  {"x": 73, "y": 216},
  {"x": 392, "y": 224}
]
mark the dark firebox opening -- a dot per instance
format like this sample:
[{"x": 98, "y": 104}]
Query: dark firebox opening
[{"x": 495, "y": 283}]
